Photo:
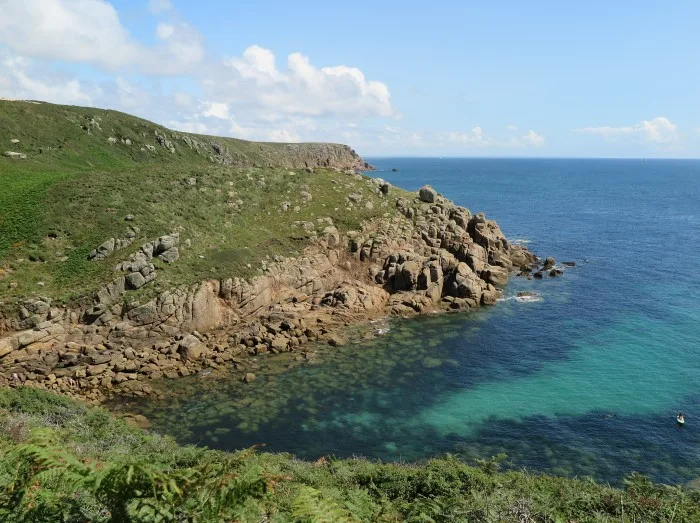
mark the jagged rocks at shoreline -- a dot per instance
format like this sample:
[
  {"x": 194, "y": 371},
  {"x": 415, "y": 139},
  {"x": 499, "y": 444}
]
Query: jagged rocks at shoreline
[{"x": 430, "y": 256}]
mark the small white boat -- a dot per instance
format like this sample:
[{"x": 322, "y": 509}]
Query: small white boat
[{"x": 680, "y": 420}]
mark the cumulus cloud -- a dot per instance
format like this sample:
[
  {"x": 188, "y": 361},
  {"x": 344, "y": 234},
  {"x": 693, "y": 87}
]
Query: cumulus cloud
[
  {"x": 20, "y": 79},
  {"x": 532, "y": 138},
  {"x": 217, "y": 110},
  {"x": 302, "y": 89},
  {"x": 658, "y": 130},
  {"x": 248, "y": 96},
  {"x": 475, "y": 138},
  {"x": 89, "y": 31}
]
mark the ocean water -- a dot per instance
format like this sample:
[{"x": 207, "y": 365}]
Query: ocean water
[{"x": 584, "y": 382}]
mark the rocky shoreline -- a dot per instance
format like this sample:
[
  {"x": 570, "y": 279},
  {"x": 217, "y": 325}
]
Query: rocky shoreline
[{"x": 431, "y": 255}]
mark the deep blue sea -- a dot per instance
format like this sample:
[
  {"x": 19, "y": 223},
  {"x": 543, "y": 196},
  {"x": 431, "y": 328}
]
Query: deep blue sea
[{"x": 585, "y": 382}]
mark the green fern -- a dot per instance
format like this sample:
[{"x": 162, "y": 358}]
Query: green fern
[{"x": 309, "y": 506}]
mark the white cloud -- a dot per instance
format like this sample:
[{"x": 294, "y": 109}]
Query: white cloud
[
  {"x": 284, "y": 135},
  {"x": 89, "y": 31},
  {"x": 532, "y": 138},
  {"x": 511, "y": 127},
  {"x": 658, "y": 130},
  {"x": 217, "y": 110},
  {"x": 302, "y": 89},
  {"x": 19, "y": 79},
  {"x": 476, "y": 138},
  {"x": 159, "y": 6},
  {"x": 248, "y": 96},
  {"x": 165, "y": 31},
  {"x": 188, "y": 126}
]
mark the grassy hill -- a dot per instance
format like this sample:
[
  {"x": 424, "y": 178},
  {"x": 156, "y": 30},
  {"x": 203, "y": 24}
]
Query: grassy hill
[{"x": 87, "y": 169}]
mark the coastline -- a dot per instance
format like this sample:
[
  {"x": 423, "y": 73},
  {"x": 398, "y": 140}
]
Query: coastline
[{"x": 430, "y": 256}]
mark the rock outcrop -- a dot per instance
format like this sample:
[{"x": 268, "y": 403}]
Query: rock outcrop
[
  {"x": 430, "y": 255},
  {"x": 15, "y": 155}
]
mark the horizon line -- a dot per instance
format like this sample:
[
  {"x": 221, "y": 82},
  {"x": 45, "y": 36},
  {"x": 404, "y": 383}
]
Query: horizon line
[{"x": 453, "y": 157}]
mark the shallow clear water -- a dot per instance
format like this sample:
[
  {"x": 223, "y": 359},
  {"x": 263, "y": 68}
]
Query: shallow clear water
[{"x": 586, "y": 381}]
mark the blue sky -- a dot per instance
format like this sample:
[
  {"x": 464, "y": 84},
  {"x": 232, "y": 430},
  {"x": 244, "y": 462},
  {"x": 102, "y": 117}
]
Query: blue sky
[{"x": 602, "y": 79}]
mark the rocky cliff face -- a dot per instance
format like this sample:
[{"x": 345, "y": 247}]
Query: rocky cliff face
[
  {"x": 430, "y": 255},
  {"x": 289, "y": 156}
]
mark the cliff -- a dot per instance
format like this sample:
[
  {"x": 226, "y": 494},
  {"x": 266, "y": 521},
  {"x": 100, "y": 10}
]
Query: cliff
[{"x": 140, "y": 267}]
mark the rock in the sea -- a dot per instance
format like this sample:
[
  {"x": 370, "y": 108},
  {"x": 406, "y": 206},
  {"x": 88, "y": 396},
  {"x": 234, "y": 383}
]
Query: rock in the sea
[
  {"x": 427, "y": 194},
  {"x": 569, "y": 264},
  {"x": 549, "y": 263},
  {"x": 335, "y": 340},
  {"x": 555, "y": 272},
  {"x": 249, "y": 377}
]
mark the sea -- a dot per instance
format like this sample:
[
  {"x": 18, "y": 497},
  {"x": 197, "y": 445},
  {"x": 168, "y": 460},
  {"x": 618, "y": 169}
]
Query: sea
[{"x": 584, "y": 379}]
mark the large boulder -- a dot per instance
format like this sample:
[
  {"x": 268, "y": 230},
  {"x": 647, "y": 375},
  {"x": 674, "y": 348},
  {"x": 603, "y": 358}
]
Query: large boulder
[
  {"x": 462, "y": 282},
  {"x": 191, "y": 348},
  {"x": 427, "y": 194},
  {"x": 520, "y": 257},
  {"x": 476, "y": 256},
  {"x": 332, "y": 236},
  {"x": 135, "y": 280},
  {"x": 104, "y": 250},
  {"x": 165, "y": 243},
  {"x": 7, "y": 345},
  {"x": 406, "y": 277},
  {"x": 170, "y": 256},
  {"x": 495, "y": 275}
]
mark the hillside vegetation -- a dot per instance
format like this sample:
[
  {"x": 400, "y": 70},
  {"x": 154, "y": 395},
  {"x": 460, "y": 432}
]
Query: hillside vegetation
[
  {"x": 63, "y": 461},
  {"x": 86, "y": 170},
  {"x": 83, "y": 190}
]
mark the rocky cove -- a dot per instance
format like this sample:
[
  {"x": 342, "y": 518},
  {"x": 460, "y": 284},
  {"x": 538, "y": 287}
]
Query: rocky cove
[{"x": 431, "y": 255}]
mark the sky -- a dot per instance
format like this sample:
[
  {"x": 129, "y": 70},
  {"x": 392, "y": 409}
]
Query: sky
[{"x": 389, "y": 78}]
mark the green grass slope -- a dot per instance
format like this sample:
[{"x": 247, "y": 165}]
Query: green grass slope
[
  {"x": 63, "y": 461},
  {"x": 87, "y": 169}
]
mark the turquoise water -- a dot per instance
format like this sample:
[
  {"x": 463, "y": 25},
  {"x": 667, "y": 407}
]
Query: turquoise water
[{"x": 586, "y": 381}]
